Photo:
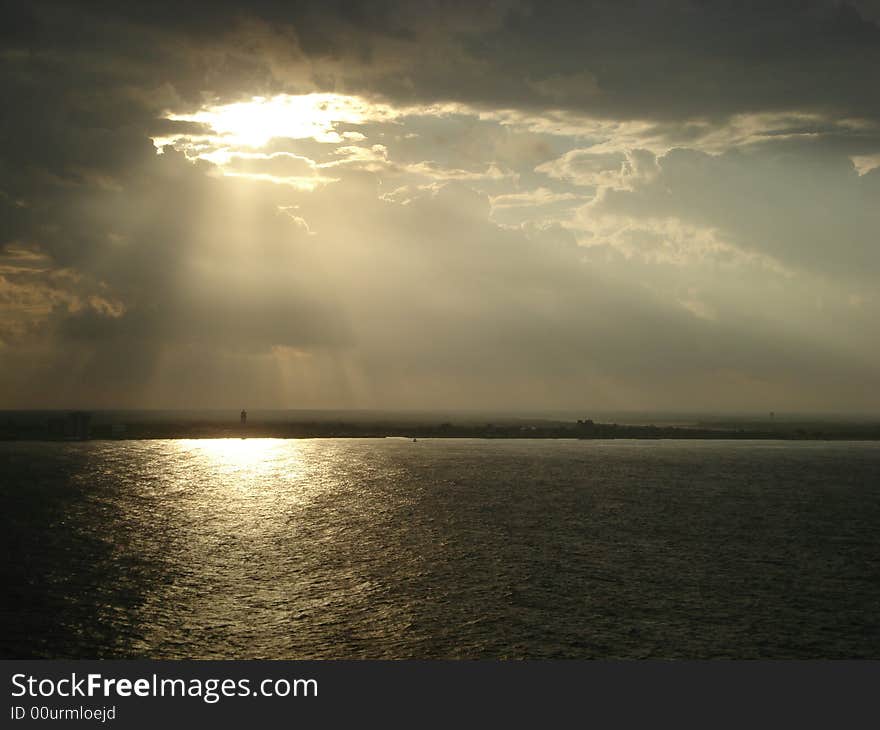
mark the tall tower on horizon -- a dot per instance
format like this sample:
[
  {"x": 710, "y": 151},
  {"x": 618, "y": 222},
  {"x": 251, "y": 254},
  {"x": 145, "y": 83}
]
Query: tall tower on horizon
[{"x": 243, "y": 417}]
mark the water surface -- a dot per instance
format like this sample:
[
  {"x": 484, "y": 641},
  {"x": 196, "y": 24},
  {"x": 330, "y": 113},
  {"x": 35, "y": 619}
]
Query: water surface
[{"x": 385, "y": 548}]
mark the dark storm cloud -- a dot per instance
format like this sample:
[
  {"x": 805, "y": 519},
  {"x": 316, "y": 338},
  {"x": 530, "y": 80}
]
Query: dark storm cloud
[
  {"x": 682, "y": 59},
  {"x": 630, "y": 59}
]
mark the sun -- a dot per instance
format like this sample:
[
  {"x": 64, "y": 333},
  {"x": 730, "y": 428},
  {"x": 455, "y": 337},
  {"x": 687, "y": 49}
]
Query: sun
[
  {"x": 240, "y": 132},
  {"x": 252, "y": 124}
]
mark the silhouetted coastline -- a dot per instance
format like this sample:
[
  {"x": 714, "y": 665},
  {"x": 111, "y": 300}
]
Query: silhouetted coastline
[{"x": 52, "y": 429}]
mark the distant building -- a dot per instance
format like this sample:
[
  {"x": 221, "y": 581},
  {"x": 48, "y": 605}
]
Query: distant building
[
  {"x": 76, "y": 426},
  {"x": 82, "y": 424},
  {"x": 243, "y": 417},
  {"x": 56, "y": 427}
]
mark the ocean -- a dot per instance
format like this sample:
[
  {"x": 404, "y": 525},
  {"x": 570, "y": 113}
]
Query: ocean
[{"x": 444, "y": 548}]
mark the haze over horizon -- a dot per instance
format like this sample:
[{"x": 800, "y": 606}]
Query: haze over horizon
[{"x": 435, "y": 206}]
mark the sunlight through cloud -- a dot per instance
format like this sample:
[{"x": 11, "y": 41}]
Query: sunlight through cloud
[{"x": 253, "y": 123}]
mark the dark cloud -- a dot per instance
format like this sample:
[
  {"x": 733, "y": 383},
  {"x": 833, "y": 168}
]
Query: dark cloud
[{"x": 626, "y": 59}]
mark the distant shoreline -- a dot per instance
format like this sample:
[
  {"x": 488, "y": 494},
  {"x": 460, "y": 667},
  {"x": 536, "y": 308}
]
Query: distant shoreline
[{"x": 582, "y": 430}]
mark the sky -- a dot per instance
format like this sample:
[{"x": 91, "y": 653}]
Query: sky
[{"x": 440, "y": 205}]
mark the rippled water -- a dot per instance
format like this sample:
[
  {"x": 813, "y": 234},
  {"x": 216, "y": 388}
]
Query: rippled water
[{"x": 441, "y": 548}]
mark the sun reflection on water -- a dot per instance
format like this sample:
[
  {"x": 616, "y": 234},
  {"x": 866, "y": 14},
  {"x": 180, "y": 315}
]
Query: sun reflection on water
[
  {"x": 258, "y": 540},
  {"x": 247, "y": 484},
  {"x": 243, "y": 456}
]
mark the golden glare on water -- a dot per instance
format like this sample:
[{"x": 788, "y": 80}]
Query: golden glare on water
[{"x": 245, "y": 457}]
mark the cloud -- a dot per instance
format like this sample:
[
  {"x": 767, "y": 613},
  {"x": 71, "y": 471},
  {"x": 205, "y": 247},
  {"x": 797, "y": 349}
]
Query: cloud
[
  {"x": 617, "y": 170},
  {"x": 560, "y": 205},
  {"x": 808, "y": 212},
  {"x": 566, "y": 87},
  {"x": 539, "y": 196},
  {"x": 279, "y": 164}
]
